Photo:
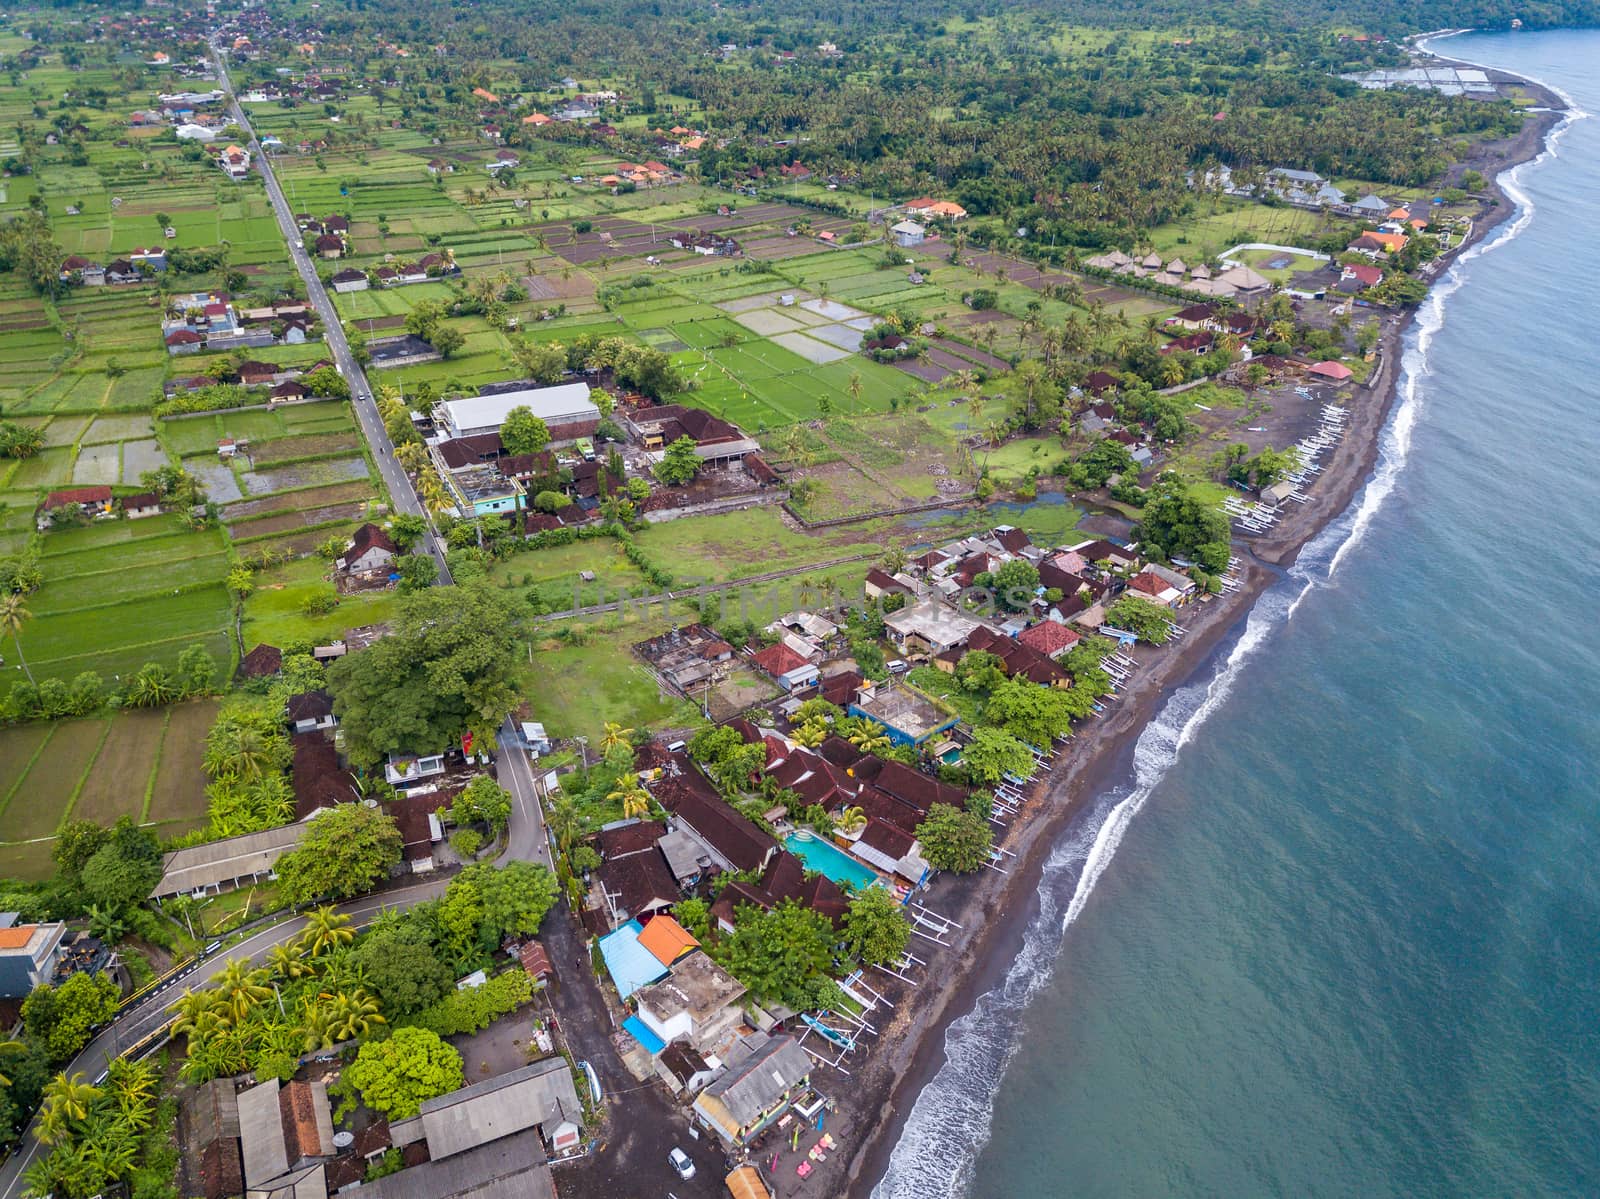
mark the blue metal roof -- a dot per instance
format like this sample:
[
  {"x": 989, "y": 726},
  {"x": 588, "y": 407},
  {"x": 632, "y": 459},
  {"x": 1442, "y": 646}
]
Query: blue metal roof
[
  {"x": 630, "y": 964},
  {"x": 640, "y": 1032}
]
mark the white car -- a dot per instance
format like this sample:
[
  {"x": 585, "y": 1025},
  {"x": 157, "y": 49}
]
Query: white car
[{"x": 681, "y": 1163}]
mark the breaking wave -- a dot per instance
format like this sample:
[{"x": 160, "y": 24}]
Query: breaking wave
[{"x": 949, "y": 1123}]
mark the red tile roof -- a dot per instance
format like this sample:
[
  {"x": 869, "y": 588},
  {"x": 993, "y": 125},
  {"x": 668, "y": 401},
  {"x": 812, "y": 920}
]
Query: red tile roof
[
  {"x": 98, "y": 494},
  {"x": 778, "y": 659},
  {"x": 1048, "y": 637}
]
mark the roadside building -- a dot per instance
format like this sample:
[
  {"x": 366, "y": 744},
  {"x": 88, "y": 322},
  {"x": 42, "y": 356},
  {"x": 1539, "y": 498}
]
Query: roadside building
[
  {"x": 28, "y": 954},
  {"x": 762, "y": 1075}
]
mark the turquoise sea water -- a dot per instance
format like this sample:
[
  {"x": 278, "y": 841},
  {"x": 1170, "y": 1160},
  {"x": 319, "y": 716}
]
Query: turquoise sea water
[{"x": 1339, "y": 932}]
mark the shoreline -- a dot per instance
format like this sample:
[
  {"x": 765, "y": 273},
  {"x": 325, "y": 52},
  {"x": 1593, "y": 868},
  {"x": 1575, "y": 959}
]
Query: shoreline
[{"x": 996, "y": 909}]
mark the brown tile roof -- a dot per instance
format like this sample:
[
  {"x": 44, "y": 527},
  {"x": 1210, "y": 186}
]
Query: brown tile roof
[
  {"x": 629, "y": 838},
  {"x": 261, "y": 662},
  {"x": 318, "y": 779},
  {"x": 369, "y": 536},
  {"x": 642, "y": 880},
  {"x": 887, "y": 839},
  {"x": 98, "y": 494},
  {"x": 689, "y": 797}
]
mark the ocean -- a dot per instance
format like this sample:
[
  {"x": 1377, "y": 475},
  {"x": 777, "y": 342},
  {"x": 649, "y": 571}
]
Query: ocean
[{"x": 1339, "y": 931}]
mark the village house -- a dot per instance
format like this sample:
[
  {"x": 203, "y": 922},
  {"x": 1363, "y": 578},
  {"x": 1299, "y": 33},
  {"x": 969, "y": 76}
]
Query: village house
[
  {"x": 928, "y": 628},
  {"x": 1358, "y": 277},
  {"x": 565, "y": 409},
  {"x": 1377, "y": 244},
  {"x": 219, "y": 866},
  {"x": 634, "y": 880},
  {"x": 539, "y": 1097},
  {"x": 1147, "y": 585},
  {"x": 697, "y": 1004},
  {"x": 137, "y": 507},
  {"x": 729, "y": 840},
  {"x": 310, "y": 711},
  {"x": 76, "y": 269},
  {"x": 28, "y": 954},
  {"x": 930, "y": 209},
  {"x": 371, "y": 551},
  {"x": 762, "y": 1075},
  {"x": 234, "y": 162},
  {"x": 349, "y": 280},
  {"x": 93, "y": 501},
  {"x": 908, "y": 234},
  {"x": 788, "y": 668}
]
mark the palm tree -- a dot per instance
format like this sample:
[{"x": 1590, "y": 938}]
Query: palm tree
[
  {"x": 199, "y": 1016},
  {"x": 13, "y": 612},
  {"x": 106, "y": 923},
  {"x": 854, "y": 386},
  {"x": 10, "y": 1048},
  {"x": 241, "y": 988},
  {"x": 869, "y": 737},
  {"x": 151, "y": 687},
  {"x": 133, "y": 1086},
  {"x": 326, "y": 929},
  {"x": 566, "y": 821},
  {"x": 615, "y": 735},
  {"x": 240, "y": 753},
  {"x": 411, "y": 455},
  {"x": 67, "y": 1098},
  {"x": 850, "y": 822},
  {"x": 285, "y": 961},
  {"x": 634, "y": 798},
  {"x": 348, "y": 1016},
  {"x": 107, "y": 1151}
]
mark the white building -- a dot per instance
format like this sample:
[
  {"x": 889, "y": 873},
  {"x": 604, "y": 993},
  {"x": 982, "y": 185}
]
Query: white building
[{"x": 562, "y": 407}]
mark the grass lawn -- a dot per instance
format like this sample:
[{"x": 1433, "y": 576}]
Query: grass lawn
[
  {"x": 274, "y": 611},
  {"x": 735, "y": 545},
  {"x": 549, "y": 578},
  {"x": 575, "y": 690},
  {"x": 1011, "y": 462}
]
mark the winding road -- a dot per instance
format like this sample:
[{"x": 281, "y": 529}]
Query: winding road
[{"x": 525, "y": 837}]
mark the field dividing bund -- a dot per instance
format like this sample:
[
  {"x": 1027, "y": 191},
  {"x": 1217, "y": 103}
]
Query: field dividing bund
[
  {"x": 48, "y": 792},
  {"x": 120, "y": 779},
  {"x": 140, "y": 763},
  {"x": 19, "y": 748},
  {"x": 180, "y": 786}
]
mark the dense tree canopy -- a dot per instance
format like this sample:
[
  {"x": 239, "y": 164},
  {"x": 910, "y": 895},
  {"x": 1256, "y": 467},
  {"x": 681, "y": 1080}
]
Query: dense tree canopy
[
  {"x": 955, "y": 840},
  {"x": 398, "y": 1075},
  {"x": 346, "y": 850},
  {"x": 448, "y": 666}
]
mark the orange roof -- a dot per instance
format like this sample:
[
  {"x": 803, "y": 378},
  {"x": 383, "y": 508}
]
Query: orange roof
[
  {"x": 17, "y": 937},
  {"x": 666, "y": 939},
  {"x": 1400, "y": 214},
  {"x": 485, "y": 94},
  {"x": 1393, "y": 242},
  {"x": 1417, "y": 222},
  {"x": 538, "y": 118}
]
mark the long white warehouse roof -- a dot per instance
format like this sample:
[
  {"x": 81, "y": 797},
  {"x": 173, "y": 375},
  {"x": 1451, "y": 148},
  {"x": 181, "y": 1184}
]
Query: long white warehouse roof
[{"x": 565, "y": 401}]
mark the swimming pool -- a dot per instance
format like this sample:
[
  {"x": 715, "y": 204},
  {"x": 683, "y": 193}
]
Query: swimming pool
[{"x": 825, "y": 857}]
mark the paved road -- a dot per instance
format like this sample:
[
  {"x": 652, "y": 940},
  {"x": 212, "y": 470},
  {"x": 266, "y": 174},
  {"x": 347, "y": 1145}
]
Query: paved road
[
  {"x": 401, "y": 494},
  {"x": 150, "y": 1014},
  {"x": 525, "y": 836}
]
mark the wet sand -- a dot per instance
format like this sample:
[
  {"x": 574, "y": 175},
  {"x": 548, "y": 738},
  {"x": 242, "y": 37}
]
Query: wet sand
[{"x": 994, "y": 909}]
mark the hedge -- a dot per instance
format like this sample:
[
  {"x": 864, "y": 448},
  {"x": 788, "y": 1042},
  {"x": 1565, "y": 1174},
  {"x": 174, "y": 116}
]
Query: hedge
[{"x": 476, "y": 1007}]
